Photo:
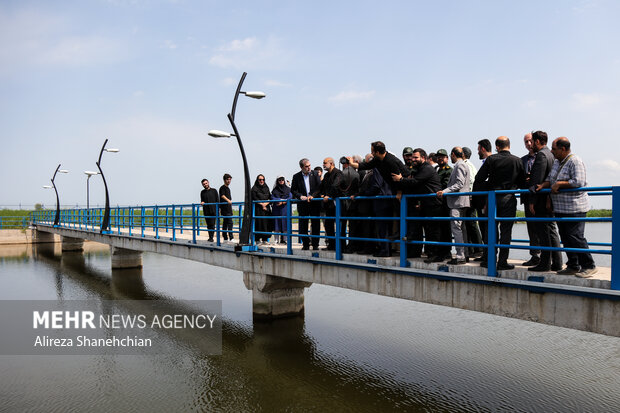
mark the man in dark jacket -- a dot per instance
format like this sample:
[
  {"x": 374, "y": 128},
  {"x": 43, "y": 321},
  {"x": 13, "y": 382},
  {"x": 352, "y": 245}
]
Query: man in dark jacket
[
  {"x": 330, "y": 189},
  {"x": 209, "y": 200},
  {"x": 350, "y": 186},
  {"x": 424, "y": 180},
  {"x": 528, "y": 161},
  {"x": 537, "y": 204},
  {"x": 226, "y": 208},
  {"x": 305, "y": 187},
  {"x": 502, "y": 171}
]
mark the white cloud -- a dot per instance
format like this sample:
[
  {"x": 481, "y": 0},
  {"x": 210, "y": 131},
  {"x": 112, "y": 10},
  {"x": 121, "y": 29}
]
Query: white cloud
[
  {"x": 352, "y": 96},
  {"x": 169, "y": 44},
  {"x": 275, "y": 83},
  {"x": 609, "y": 165},
  {"x": 229, "y": 81},
  {"x": 586, "y": 100},
  {"x": 250, "y": 53},
  {"x": 31, "y": 38}
]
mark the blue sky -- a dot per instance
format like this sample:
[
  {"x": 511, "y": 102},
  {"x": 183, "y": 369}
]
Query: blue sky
[{"x": 154, "y": 76}]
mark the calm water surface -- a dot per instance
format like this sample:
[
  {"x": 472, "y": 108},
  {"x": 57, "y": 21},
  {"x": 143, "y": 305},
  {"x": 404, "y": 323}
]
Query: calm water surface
[{"x": 352, "y": 351}]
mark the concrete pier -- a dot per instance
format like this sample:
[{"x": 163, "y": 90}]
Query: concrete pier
[
  {"x": 275, "y": 297},
  {"x": 39, "y": 237},
  {"x": 125, "y": 258},
  {"x": 72, "y": 244}
]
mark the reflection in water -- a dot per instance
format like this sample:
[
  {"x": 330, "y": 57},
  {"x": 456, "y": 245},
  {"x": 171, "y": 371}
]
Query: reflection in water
[{"x": 352, "y": 352}]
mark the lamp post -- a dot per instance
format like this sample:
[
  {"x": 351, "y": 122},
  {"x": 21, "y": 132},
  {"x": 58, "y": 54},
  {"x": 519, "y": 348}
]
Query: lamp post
[
  {"x": 57, "y": 216},
  {"x": 89, "y": 174},
  {"x": 246, "y": 226},
  {"x": 105, "y": 223}
]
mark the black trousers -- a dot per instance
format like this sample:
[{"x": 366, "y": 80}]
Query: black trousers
[
  {"x": 227, "y": 225},
  {"x": 474, "y": 236},
  {"x": 312, "y": 209},
  {"x": 572, "y": 235},
  {"x": 330, "y": 224},
  {"x": 547, "y": 237},
  {"x": 210, "y": 226},
  {"x": 415, "y": 229},
  {"x": 532, "y": 233},
  {"x": 431, "y": 229},
  {"x": 506, "y": 207}
]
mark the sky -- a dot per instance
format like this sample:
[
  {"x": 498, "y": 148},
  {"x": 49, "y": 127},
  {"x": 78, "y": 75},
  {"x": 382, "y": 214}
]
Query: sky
[{"x": 154, "y": 77}]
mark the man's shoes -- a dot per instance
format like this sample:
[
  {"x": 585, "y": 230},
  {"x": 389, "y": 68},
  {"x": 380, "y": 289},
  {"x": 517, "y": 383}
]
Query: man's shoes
[
  {"x": 532, "y": 262},
  {"x": 556, "y": 267},
  {"x": 586, "y": 272},
  {"x": 540, "y": 268},
  {"x": 505, "y": 266},
  {"x": 430, "y": 260},
  {"x": 484, "y": 264},
  {"x": 382, "y": 254},
  {"x": 305, "y": 248},
  {"x": 568, "y": 271},
  {"x": 315, "y": 247},
  {"x": 329, "y": 249},
  {"x": 480, "y": 259},
  {"x": 210, "y": 239},
  {"x": 456, "y": 261}
]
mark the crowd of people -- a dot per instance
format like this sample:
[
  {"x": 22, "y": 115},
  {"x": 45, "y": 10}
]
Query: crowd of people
[{"x": 374, "y": 188}]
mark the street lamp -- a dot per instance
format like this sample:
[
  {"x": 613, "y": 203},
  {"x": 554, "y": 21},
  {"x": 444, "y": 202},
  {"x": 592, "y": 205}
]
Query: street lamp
[
  {"x": 57, "y": 216},
  {"x": 105, "y": 223},
  {"x": 88, "y": 174},
  {"x": 246, "y": 226}
]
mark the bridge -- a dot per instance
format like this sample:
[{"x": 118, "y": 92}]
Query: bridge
[{"x": 278, "y": 274}]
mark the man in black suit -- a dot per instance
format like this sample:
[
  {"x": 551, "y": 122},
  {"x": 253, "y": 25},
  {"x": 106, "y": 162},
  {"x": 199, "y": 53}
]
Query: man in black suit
[
  {"x": 502, "y": 171},
  {"x": 305, "y": 187},
  {"x": 528, "y": 161},
  {"x": 538, "y": 205}
]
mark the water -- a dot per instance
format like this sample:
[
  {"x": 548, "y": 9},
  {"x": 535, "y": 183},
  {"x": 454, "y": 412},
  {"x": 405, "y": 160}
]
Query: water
[{"x": 352, "y": 351}]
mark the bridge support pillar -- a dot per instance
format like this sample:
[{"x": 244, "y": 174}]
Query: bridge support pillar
[
  {"x": 72, "y": 244},
  {"x": 41, "y": 237},
  {"x": 124, "y": 258},
  {"x": 275, "y": 297}
]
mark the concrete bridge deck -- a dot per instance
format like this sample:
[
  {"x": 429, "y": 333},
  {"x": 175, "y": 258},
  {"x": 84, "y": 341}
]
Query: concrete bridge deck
[{"x": 278, "y": 280}]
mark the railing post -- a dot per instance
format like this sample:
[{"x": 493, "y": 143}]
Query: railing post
[
  {"x": 338, "y": 244},
  {"x": 130, "y": 220},
  {"x": 181, "y": 213},
  {"x": 491, "y": 234},
  {"x": 403, "y": 232},
  {"x": 142, "y": 220},
  {"x": 156, "y": 221},
  {"x": 174, "y": 234},
  {"x": 167, "y": 218},
  {"x": 194, "y": 208},
  {"x": 217, "y": 225},
  {"x": 615, "y": 238},
  {"x": 289, "y": 227}
]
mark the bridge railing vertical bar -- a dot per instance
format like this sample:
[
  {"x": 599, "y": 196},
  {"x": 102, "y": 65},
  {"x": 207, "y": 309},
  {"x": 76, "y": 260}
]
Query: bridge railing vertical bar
[
  {"x": 289, "y": 227},
  {"x": 337, "y": 232},
  {"x": 403, "y": 232},
  {"x": 194, "y": 229},
  {"x": 615, "y": 238},
  {"x": 130, "y": 220},
  {"x": 174, "y": 223},
  {"x": 491, "y": 234},
  {"x": 142, "y": 221},
  {"x": 156, "y": 221},
  {"x": 182, "y": 218},
  {"x": 217, "y": 225},
  {"x": 166, "y": 220}
]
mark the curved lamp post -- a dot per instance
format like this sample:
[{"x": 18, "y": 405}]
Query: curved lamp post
[
  {"x": 89, "y": 174},
  {"x": 57, "y": 216},
  {"x": 105, "y": 223},
  {"x": 246, "y": 226}
]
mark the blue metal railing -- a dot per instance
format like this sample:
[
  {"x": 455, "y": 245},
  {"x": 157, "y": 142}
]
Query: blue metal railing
[
  {"x": 175, "y": 219},
  {"x": 14, "y": 222}
]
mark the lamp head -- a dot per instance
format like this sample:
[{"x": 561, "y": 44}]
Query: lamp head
[
  {"x": 112, "y": 150},
  {"x": 47, "y": 186},
  {"x": 219, "y": 134},
  {"x": 255, "y": 94},
  {"x": 63, "y": 171},
  {"x": 91, "y": 173}
]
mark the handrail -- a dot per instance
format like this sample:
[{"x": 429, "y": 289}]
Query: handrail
[{"x": 173, "y": 219}]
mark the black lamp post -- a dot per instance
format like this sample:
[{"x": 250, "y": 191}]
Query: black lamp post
[
  {"x": 246, "y": 226},
  {"x": 105, "y": 223},
  {"x": 57, "y": 216}
]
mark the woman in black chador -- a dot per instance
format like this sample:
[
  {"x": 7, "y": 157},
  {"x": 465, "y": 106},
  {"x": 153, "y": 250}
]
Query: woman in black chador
[
  {"x": 281, "y": 192},
  {"x": 260, "y": 192}
]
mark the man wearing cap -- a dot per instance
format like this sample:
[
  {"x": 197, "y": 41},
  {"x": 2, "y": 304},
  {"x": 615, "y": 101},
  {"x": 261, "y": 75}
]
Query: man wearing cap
[{"x": 444, "y": 171}]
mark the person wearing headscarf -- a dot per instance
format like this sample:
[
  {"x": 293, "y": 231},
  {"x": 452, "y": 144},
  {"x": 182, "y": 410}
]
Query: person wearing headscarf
[
  {"x": 260, "y": 192},
  {"x": 281, "y": 192}
]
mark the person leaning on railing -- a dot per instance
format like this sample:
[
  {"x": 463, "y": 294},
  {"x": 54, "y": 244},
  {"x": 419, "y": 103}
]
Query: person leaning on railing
[
  {"x": 569, "y": 171},
  {"x": 501, "y": 171}
]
